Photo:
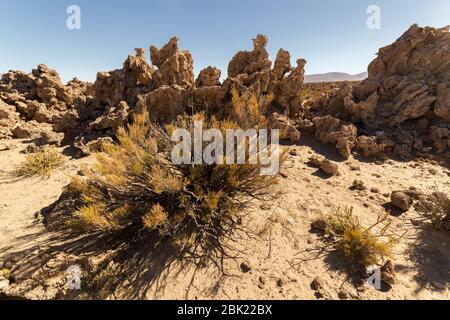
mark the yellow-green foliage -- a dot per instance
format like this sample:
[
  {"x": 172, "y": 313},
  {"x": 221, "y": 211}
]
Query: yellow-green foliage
[
  {"x": 435, "y": 207},
  {"x": 40, "y": 163},
  {"x": 6, "y": 273},
  {"x": 248, "y": 110},
  {"x": 363, "y": 246},
  {"x": 134, "y": 186}
]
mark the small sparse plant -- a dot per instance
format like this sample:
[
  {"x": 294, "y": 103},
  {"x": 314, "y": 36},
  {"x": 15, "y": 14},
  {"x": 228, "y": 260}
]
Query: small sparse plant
[
  {"x": 40, "y": 163},
  {"x": 6, "y": 273},
  {"x": 362, "y": 246},
  {"x": 435, "y": 207}
]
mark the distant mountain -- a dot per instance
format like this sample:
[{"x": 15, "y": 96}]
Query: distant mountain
[{"x": 335, "y": 77}]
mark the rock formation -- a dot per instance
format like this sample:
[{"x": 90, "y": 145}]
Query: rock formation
[{"x": 404, "y": 104}]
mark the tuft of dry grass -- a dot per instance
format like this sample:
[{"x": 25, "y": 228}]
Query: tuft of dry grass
[
  {"x": 40, "y": 163},
  {"x": 362, "y": 246},
  {"x": 435, "y": 207}
]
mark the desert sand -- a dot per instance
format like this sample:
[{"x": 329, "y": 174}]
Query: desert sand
[{"x": 281, "y": 234}]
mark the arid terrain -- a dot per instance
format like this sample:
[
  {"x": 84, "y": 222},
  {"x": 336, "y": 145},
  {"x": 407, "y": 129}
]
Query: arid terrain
[{"x": 379, "y": 146}]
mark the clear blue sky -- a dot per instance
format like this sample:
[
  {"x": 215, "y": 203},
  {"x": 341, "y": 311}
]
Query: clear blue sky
[{"x": 331, "y": 34}]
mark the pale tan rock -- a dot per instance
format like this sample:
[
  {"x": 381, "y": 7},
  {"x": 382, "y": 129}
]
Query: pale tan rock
[
  {"x": 164, "y": 104},
  {"x": 91, "y": 144},
  {"x": 8, "y": 119},
  {"x": 329, "y": 167},
  {"x": 175, "y": 67},
  {"x": 249, "y": 62},
  {"x": 282, "y": 64},
  {"x": 208, "y": 77},
  {"x": 316, "y": 160},
  {"x": 333, "y": 131},
  {"x": 401, "y": 200},
  {"x": 407, "y": 82},
  {"x": 370, "y": 147},
  {"x": 113, "y": 118},
  {"x": 30, "y": 130},
  {"x": 288, "y": 130}
]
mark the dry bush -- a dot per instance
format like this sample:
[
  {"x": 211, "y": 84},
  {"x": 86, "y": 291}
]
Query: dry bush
[
  {"x": 362, "y": 246},
  {"x": 134, "y": 187},
  {"x": 249, "y": 110},
  {"x": 40, "y": 163},
  {"x": 435, "y": 207}
]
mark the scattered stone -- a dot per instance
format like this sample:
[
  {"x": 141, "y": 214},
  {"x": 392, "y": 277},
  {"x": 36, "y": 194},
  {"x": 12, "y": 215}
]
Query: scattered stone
[
  {"x": 318, "y": 225},
  {"x": 401, "y": 200},
  {"x": 354, "y": 167},
  {"x": 245, "y": 267},
  {"x": 329, "y": 167},
  {"x": 316, "y": 161},
  {"x": 375, "y": 190},
  {"x": 261, "y": 282},
  {"x": 343, "y": 295},
  {"x": 280, "y": 283},
  {"x": 388, "y": 273},
  {"x": 358, "y": 185},
  {"x": 317, "y": 284}
]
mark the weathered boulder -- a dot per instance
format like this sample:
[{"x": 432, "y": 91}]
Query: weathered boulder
[
  {"x": 401, "y": 200},
  {"x": 370, "y": 147},
  {"x": 113, "y": 118},
  {"x": 288, "y": 130},
  {"x": 331, "y": 130},
  {"x": 316, "y": 160},
  {"x": 208, "y": 77},
  {"x": 30, "y": 130},
  {"x": 329, "y": 167}
]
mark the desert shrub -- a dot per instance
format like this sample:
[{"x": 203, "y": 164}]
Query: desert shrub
[
  {"x": 134, "y": 187},
  {"x": 435, "y": 207},
  {"x": 362, "y": 246},
  {"x": 40, "y": 163}
]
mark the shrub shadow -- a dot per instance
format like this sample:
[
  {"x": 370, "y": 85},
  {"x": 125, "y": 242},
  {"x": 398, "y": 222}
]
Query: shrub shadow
[
  {"x": 142, "y": 261},
  {"x": 431, "y": 255}
]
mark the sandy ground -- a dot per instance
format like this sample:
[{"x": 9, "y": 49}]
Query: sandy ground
[{"x": 279, "y": 266}]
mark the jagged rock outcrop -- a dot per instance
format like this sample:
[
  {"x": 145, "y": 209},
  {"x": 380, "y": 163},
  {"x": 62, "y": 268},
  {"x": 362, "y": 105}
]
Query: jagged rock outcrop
[
  {"x": 175, "y": 67},
  {"x": 113, "y": 118},
  {"x": 250, "y": 71},
  {"x": 208, "y": 77},
  {"x": 8, "y": 119},
  {"x": 125, "y": 84},
  {"x": 87, "y": 113},
  {"x": 407, "y": 90},
  {"x": 250, "y": 62},
  {"x": 34, "y": 104}
]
